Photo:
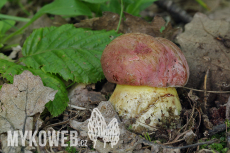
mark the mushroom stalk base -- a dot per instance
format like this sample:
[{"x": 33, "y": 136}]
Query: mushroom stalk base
[{"x": 147, "y": 105}]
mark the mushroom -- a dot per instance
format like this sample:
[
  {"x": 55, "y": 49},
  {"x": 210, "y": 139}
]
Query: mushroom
[{"x": 146, "y": 71}]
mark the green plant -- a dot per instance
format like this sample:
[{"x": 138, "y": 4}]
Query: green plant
[
  {"x": 5, "y": 25},
  {"x": 130, "y": 127},
  {"x": 220, "y": 147},
  {"x": 62, "y": 53},
  {"x": 58, "y": 53},
  {"x": 203, "y": 4},
  {"x": 162, "y": 29},
  {"x": 147, "y": 137},
  {"x": 227, "y": 122},
  {"x": 85, "y": 7},
  {"x": 70, "y": 149},
  {"x": 58, "y": 7}
]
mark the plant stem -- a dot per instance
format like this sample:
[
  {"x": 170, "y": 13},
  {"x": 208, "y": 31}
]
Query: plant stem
[
  {"x": 23, "y": 8},
  {"x": 36, "y": 16},
  {"x": 3, "y": 16},
  {"x": 121, "y": 14}
]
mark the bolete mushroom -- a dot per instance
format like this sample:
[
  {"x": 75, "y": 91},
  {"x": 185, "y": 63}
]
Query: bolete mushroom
[{"x": 146, "y": 71}]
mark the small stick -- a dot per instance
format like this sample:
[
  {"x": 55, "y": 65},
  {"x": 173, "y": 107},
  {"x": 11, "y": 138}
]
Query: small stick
[
  {"x": 176, "y": 139},
  {"x": 182, "y": 147},
  {"x": 185, "y": 126},
  {"x": 199, "y": 121},
  {"x": 218, "y": 92},
  {"x": 77, "y": 107},
  {"x": 228, "y": 109},
  {"x": 205, "y": 90}
]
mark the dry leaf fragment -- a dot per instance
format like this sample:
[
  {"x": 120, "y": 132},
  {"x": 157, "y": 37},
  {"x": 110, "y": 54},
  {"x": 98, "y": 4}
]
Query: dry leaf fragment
[
  {"x": 202, "y": 48},
  {"x": 21, "y": 100},
  {"x": 189, "y": 137},
  {"x": 79, "y": 95}
]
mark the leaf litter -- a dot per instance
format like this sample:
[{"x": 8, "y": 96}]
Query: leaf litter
[
  {"x": 204, "y": 44},
  {"x": 131, "y": 24}
]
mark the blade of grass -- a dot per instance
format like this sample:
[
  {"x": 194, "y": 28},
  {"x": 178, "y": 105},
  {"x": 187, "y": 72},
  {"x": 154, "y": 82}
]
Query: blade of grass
[
  {"x": 23, "y": 8},
  {"x": 15, "y": 18},
  {"x": 121, "y": 14},
  {"x": 203, "y": 4}
]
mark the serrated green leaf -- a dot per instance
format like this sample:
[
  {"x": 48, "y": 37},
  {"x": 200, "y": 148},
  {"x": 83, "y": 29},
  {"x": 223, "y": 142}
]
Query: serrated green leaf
[
  {"x": 73, "y": 53},
  {"x": 55, "y": 107},
  {"x": 96, "y": 1},
  {"x": 66, "y": 7}
]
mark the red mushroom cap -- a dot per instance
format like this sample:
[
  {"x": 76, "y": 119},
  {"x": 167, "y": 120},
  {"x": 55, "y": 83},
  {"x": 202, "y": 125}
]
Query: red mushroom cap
[{"x": 141, "y": 60}]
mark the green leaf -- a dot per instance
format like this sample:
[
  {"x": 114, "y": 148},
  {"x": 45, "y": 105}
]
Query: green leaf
[
  {"x": 73, "y": 53},
  {"x": 96, "y": 1},
  {"x": 55, "y": 107},
  {"x": 66, "y": 7},
  {"x": 135, "y": 7},
  {"x": 5, "y": 25},
  {"x": 2, "y": 3}
]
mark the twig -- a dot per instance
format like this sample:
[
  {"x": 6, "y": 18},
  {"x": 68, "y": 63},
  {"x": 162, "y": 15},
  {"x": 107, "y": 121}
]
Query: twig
[
  {"x": 218, "y": 92},
  {"x": 228, "y": 109},
  {"x": 176, "y": 139},
  {"x": 185, "y": 126},
  {"x": 205, "y": 91},
  {"x": 183, "y": 147},
  {"x": 61, "y": 123},
  {"x": 199, "y": 121},
  {"x": 76, "y": 107}
]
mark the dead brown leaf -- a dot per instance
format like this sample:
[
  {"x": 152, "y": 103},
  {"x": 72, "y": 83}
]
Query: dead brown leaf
[
  {"x": 80, "y": 96},
  {"x": 203, "y": 46},
  {"x": 21, "y": 100}
]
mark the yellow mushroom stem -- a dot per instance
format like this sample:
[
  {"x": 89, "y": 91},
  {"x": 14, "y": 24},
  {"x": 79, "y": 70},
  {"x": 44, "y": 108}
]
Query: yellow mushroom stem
[{"x": 145, "y": 104}]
